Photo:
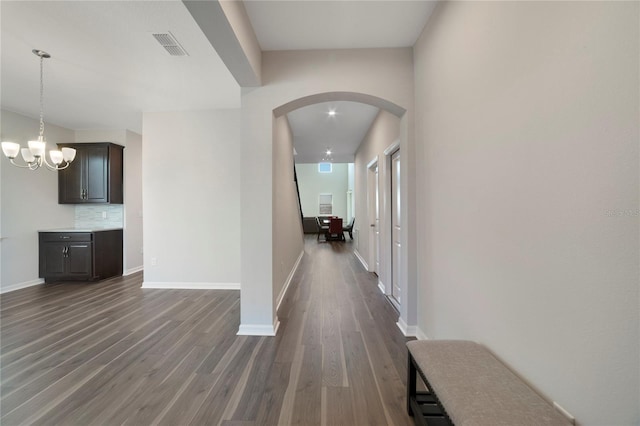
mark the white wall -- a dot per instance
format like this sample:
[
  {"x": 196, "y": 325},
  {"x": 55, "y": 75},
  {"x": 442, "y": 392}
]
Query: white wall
[
  {"x": 29, "y": 203},
  {"x": 287, "y": 76},
  {"x": 384, "y": 131},
  {"x": 313, "y": 183},
  {"x": 288, "y": 244},
  {"x": 132, "y": 216},
  {"x": 527, "y": 117},
  {"x": 191, "y": 199}
]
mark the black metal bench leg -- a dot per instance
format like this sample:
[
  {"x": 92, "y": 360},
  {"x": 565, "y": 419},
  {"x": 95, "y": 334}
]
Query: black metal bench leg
[{"x": 411, "y": 384}]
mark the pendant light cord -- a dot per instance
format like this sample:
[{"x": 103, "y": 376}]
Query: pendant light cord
[{"x": 41, "y": 98}]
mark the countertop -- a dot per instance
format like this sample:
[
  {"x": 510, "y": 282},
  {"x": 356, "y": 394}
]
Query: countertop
[{"x": 95, "y": 229}]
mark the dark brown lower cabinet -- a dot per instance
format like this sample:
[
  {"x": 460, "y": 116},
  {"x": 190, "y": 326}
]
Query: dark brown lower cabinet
[{"x": 80, "y": 256}]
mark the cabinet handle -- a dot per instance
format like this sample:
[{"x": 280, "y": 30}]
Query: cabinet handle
[{"x": 65, "y": 237}]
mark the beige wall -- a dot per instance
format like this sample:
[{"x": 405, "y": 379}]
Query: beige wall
[
  {"x": 288, "y": 76},
  {"x": 29, "y": 203},
  {"x": 384, "y": 132},
  {"x": 288, "y": 243},
  {"x": 191, "y": 199},
  {"x": 133, "y": 204},
  {"x": 236, "y": 14},
  {"x": 527, "y": 122}
]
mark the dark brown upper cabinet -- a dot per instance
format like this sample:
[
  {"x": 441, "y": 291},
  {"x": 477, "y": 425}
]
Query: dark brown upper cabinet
[{"x": 95, "y": 176}]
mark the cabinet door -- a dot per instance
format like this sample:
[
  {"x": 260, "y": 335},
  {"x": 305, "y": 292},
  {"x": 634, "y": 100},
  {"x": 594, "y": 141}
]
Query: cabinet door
[
  {"x": 53, "y": 260},
  {"x": 79, "y": 259},
  {"x": 71, "y": 181},
  {"x": 96, "y": 175}
]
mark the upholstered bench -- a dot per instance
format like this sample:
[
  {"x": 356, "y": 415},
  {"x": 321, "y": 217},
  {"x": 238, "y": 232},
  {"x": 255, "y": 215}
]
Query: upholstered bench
[{"x": 468, "y": 386}]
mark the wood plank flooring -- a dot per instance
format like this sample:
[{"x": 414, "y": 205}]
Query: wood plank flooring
[{"x": 110, "y": 353}]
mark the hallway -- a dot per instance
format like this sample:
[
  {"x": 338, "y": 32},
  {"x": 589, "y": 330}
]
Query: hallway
[{"x": 112, "y": 353}]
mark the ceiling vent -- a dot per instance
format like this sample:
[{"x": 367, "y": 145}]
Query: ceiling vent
[{"x": 170, "y": 44}]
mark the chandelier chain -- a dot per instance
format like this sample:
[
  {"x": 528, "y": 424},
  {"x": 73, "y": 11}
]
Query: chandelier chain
[{"x": 41, "y": 97}]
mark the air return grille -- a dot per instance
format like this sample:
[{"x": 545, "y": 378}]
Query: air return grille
[{"x": 170, "y": 44}]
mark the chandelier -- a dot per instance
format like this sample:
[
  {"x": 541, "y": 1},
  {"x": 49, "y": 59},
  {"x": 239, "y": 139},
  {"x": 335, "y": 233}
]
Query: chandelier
[{"x": 34, "y": 156}]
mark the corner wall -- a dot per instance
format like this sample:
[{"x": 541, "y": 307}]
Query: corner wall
[
  {"x": 191, "y": 197},
  {"x": 527, "y": 122},
  {"x": 132, "y": 206},
  {"x": 288, "y": 238}
]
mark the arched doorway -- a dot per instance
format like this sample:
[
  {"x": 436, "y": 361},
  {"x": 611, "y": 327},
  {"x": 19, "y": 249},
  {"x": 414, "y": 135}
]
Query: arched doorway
[{"x": 392, "y": 268}]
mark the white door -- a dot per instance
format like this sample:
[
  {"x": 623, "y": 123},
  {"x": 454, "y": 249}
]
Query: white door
[
  {"x": 376, "y": 227},
  {"x": 396, "y": 227}
]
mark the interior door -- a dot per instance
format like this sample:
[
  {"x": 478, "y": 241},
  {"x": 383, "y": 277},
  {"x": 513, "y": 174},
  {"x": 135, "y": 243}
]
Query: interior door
[
  {"x": 396, "y": 227},
  {"x": 376, "y": 228}
]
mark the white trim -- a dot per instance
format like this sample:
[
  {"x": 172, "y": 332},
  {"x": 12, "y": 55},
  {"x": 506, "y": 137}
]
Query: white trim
[
  {"x": 373, "y": 162},
  {"x": 391, "y": 148},
  {"x": 285, "y": 288},
  {"x": 259, "y": 329},
  {"x": 359, "y": 257},
  {"x": 407, "y": 330},
  {"x": 133, "y": 270},
  {"x": 18, "y": 286},
  {"x": 420, "y": 334},
  {"x": 191, "y": 286},
  {"x": 381, "y": 287}
]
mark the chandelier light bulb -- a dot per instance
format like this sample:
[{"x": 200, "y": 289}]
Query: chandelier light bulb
[{"x": 10, "y": 149}]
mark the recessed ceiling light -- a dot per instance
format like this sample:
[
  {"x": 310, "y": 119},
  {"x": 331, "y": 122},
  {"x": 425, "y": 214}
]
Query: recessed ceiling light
[{"x": 332, "y": 113}]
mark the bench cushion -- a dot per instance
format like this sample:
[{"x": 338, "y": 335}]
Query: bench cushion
[{"x": 476, "y": 389}]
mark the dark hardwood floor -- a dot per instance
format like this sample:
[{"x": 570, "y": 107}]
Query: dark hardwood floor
[{"x": 111, "y": 353}]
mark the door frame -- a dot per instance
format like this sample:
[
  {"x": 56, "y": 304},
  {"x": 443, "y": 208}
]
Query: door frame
[
  {"x": 388, "y": 153},
  {"x": 371, "y": 213},
  {"x": 388, "y": 158}
]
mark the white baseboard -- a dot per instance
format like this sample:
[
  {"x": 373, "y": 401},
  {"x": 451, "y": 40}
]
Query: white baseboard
[
  {"x": 191, "y": 286},
  {"x": 411, "y": 330},
  {"x": 18, "y": 286},
  {"x": 407, "y": 330},
  {"x": 133, "y": 270},
  {"x": 382, "y": 287},
  {"x": 420, "y": 334},
  {"x": 259, "y": 329},
  {"x": 366, "y": 267},
  {"x": 285, "y": 288}
]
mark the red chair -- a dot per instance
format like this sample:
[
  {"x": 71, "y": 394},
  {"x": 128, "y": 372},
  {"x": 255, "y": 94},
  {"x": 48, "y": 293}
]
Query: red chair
[{"x": 335, "y": 230}]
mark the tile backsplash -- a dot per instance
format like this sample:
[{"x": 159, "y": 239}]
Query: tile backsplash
[{"x": 94, "y": 216}]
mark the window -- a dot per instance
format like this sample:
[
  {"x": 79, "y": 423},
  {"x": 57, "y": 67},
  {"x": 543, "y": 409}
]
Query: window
[
  {"x": 325, "y": 168},
  {"x": 325, "y": 204}
]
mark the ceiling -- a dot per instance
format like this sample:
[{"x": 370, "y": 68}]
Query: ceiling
[
  {"x": 106, "y": 68},
  {"x": 309, "y": 24},
  {"x": 314, "y": 130}
]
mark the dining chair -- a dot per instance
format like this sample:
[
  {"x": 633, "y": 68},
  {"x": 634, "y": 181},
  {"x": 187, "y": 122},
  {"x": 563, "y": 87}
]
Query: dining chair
[
  {"x": 349, "y": 227},
  {"x": 335, "y": 229},
  {"x": 322, "y": 229}
]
